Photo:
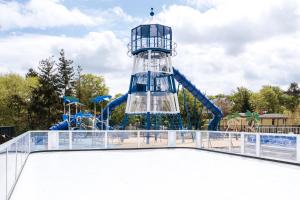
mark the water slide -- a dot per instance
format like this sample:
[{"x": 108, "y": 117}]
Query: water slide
[
  {"x": 213, "y": 125},
  {"x": 60, "y": 126},
  {"x": 113, "y": 104}
]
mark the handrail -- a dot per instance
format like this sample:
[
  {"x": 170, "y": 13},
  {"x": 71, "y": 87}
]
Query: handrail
[{"x": 283, "y": 147}]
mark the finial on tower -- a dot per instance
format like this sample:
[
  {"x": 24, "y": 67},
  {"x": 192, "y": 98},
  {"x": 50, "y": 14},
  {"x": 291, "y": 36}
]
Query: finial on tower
[{"x": 151, "y": 12}]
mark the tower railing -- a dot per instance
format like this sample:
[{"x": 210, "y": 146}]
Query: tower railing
[
  {"x": 153, "y": 46},
  {"x": 14, "y": 154}
]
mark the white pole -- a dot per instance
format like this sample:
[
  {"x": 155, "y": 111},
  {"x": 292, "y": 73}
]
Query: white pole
[
  {"x": 257, "y": 145},
  {"x": 6, "y": 185},
  {"x": 298, "y": 148},
  {"x": 242, "y": 143},
  {"x": 138, "y": 139},
  {"x": 105, "y": 140},
  {"x": 198, "y": 139}
]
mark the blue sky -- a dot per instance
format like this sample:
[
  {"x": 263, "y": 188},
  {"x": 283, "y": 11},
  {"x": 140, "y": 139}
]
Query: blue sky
[{"x": 221, "y": 44}]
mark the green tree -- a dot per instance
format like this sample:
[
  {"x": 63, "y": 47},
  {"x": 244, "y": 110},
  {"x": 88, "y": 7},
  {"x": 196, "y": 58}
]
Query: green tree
[
  {"x": 45, "y": 106},
  {"x": 66, "y": 75},
  {"x": 195, "y": 117},
  {"x": 118, "y": 114},
  {"x": 270, "y": 99},
  {"x": 15, "y": 92},
  {"x": 242, "y": 100},
  {"x": 292, "y": 98},
  {"x": 90, "y": 86}
]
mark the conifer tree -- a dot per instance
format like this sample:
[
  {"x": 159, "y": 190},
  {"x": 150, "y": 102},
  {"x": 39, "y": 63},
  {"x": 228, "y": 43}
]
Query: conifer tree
[{"x": 66, "y": 75}]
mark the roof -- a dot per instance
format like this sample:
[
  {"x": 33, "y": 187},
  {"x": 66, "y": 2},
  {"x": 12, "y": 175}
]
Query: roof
[
  {"x": 269, "y": 116},
  {"x": 273, "y": 115}
]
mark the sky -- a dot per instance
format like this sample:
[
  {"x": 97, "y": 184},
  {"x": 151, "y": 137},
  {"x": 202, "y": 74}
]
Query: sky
[{"x": 221, "y": 44}]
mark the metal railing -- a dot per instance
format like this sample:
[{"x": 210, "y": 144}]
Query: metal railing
[{"x": 13, "y": 154}]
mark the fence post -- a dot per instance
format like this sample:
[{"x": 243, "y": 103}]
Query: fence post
[
  {"x": 171, "y": 139},
  {"x": 257, "y": 145},
  {"x": 16, "y": 166},
  {"x": 138, "y": 139},
  {"x": 105, "y": 140},
  {"x": 53, "y": 140},
  {"x": 298, "y": 148},
  {"x": 242, "y": 143},
  {"x": 198, "y": 139},
  {"x": 230, "y": 142},
  {"x": 6, "y": 180},
  {"x": 70, "y": 140},
  {"x": 29, "y": 143}
]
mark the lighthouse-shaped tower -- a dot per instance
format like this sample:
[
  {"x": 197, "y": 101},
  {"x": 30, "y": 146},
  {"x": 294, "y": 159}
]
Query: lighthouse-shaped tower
[{"x": 152, "y": 92}]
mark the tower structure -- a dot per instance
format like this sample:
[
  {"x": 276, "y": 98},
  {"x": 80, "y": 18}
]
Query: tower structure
[{"x": 152, "y": 92}]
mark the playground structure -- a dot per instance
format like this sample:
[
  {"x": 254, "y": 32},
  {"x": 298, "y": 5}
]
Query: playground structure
[
  {"x": 152, "y": 95},
  {"x": 81, "y": 120}
]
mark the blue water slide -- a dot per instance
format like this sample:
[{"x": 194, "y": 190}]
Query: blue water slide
[
  {"x": 213, "y": 125},
  {"x": 60, "y": 126},
  {"x": 113, "y": 104}
]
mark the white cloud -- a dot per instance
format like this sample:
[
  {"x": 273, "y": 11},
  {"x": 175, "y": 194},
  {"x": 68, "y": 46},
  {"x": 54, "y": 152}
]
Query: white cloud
[
  {"x": 97, "y": 52},
  {"x": 225, "y": 44},
  {"x": 221, "y": 44},
  {"x": 41, "y": 14}
]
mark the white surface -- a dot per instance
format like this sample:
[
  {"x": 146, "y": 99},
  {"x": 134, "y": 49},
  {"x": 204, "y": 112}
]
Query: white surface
[{"x": 154, "y": 174}]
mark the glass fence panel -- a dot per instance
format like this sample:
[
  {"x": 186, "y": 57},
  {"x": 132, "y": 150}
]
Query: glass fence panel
[
  {"x": 122, "y": 139},
  {"x": 235, "y": 143},
  {"x": 39, "y": 141},
  {"x": 88, "y": 140},
  {"x": 64, "y": 140},
  {"x": 204, "y": 139},
  {"x": 2, "y": 173},
  {"x": 281, "y": 147},
  {"x": 11, "y": 166},
  {"x": 250, "y": 144},
  {"x": 185, "y": 138},
  {"x": 19, "y": 154},
  {"x": 219, "y": 141},
  {"x": 152, "y": 139}
]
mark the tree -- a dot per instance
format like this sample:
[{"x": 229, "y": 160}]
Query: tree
[
  {"x": 66, "y": 75},
  {"x": 45, "y": 104},
  {"x": 90, "y": 86},
  {"x": 292, "y": 100},
  {"x": 15, "y": 92},
  {"x": 270, "y": 99},
  {"x": 118, "y": 114},
  {"x": 242, "y": 100},
  {"x": 78, "y": 82},
  {"x": 194, "y": 116},
  {"x": 252, "y": 119}
]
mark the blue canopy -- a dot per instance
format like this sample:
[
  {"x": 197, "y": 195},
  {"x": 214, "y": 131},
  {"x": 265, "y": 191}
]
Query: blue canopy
[
  {"x": 68, "y": 99},
  {"x": 99, "y": 99}
]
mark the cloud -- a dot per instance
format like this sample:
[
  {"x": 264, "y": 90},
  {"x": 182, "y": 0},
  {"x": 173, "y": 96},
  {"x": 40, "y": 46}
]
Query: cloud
[
  {"x": 41, "y": 14},
  {"x": 97, "y": 52},
  {"x": 221, "y": 44},
  {"x": 233, "y": 24}
]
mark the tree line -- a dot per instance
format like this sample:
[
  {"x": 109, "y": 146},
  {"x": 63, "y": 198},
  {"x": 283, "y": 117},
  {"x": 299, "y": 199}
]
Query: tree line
[{"x": 35, "y": 101}]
